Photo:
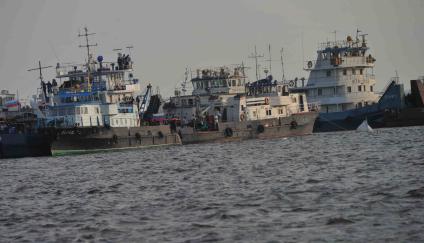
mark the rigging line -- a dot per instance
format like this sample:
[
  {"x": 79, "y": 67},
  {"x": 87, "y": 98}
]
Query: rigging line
[{"x": 54, "y": 51}]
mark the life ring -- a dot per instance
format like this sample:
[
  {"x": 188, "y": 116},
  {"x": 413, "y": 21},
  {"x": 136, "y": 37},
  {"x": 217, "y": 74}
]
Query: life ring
[
  {"x": 241, "y": 117},
  {"x": 228, "y": 132},
  {"x": 291, "y": 83},
  {"x": 260, "y": 129},
  {"x": 310, "y": 64},
  {"x": 293, "y": 124},
  {"x": 266, "y": 101}
]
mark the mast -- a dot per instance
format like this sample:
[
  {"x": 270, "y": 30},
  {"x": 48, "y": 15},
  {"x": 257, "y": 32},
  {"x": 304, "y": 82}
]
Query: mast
[
  {"x": 184, "y": 84},
  {"x": 270, "y": 60},
  {"x": 87, "y": 45},
  {"x": 335, "y": 36},
  {"x": 255, "y": 56},
  {"x": 282, "y": 62},
  {"x": 129, "y": 49},
  {"x": 40, "y": 68}
]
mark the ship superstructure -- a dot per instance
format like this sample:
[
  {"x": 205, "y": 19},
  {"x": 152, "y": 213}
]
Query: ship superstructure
[{"x": 342, "y": 76}]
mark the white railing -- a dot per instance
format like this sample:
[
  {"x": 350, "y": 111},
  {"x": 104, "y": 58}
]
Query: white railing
[{"x": 346, "y": 62}]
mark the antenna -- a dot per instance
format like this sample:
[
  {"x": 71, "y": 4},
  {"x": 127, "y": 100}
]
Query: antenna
[
  {"x": 39, "y": 68},
  {"x": 87, "y": 45},
  {"x": 335, "y": 36},
  {"x": 397, "y": 77},
  {"x": 357, "y": 36},
  {"x": 363, "y": 38},
  {"x": 270, "y": 59},
  {"x": 184, "y": 84},
  {"x": 255, "y": 56},
  {"x": 129, "y": 49},
  {"x": 282, "y": 62},
  {"x": 303, "y": 50}
]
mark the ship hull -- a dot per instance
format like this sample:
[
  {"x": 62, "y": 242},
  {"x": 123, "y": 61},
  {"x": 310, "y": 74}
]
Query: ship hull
[
  {"x": 97, "y": 139},
  {"x": 392, "y": 99},
  {"x": 24, "y": 145},
  {"x": 346, "y": 121},
  {"x": 295, "y": 125}
]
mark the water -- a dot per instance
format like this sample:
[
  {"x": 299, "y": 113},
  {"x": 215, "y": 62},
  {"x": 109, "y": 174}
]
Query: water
[{"x": 348, "y": 186}]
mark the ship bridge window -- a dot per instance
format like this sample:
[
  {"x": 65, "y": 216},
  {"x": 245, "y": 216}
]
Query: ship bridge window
[
  {"x": 344, "y": 72},
  {"x": 371, "y": 88},
  {"x": 359, "y": 88},
  {"x": 353, "y": 71},
  {"x": 349, "y": 89},
  {"x": 268, "y": 112},
  {"x": 233, "y": 82},
  {"x": 319, "y": 92},
  {"x": 361, "y": 71},
  {"x": 328, "y": 73}
]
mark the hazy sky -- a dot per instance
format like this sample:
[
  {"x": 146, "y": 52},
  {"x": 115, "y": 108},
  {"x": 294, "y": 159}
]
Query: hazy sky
[{"x": 169, "y": 36}]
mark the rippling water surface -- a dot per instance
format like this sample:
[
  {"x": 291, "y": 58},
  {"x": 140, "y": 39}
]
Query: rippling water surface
[{"x": 345, "y": 186}]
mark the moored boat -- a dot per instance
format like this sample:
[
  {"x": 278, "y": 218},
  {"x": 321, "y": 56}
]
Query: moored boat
[
  {"x": 223, "y": 107},
  {"x": 99, "y": 106},
  {"x": 342, "y": 81}
]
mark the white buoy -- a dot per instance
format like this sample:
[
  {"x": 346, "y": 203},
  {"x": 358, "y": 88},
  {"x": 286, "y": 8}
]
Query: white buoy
[{"x": 364, "y": 127}]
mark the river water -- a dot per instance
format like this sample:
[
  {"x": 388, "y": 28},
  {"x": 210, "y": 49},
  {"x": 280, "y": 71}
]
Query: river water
[{"x": 346, "y": 186}]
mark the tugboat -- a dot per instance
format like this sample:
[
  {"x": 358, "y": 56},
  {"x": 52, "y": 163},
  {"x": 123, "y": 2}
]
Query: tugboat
[
  {"x": 223, "y": 107},
  {"x": 99, "y": 106},
  {"x": 342, "y": 81}
]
